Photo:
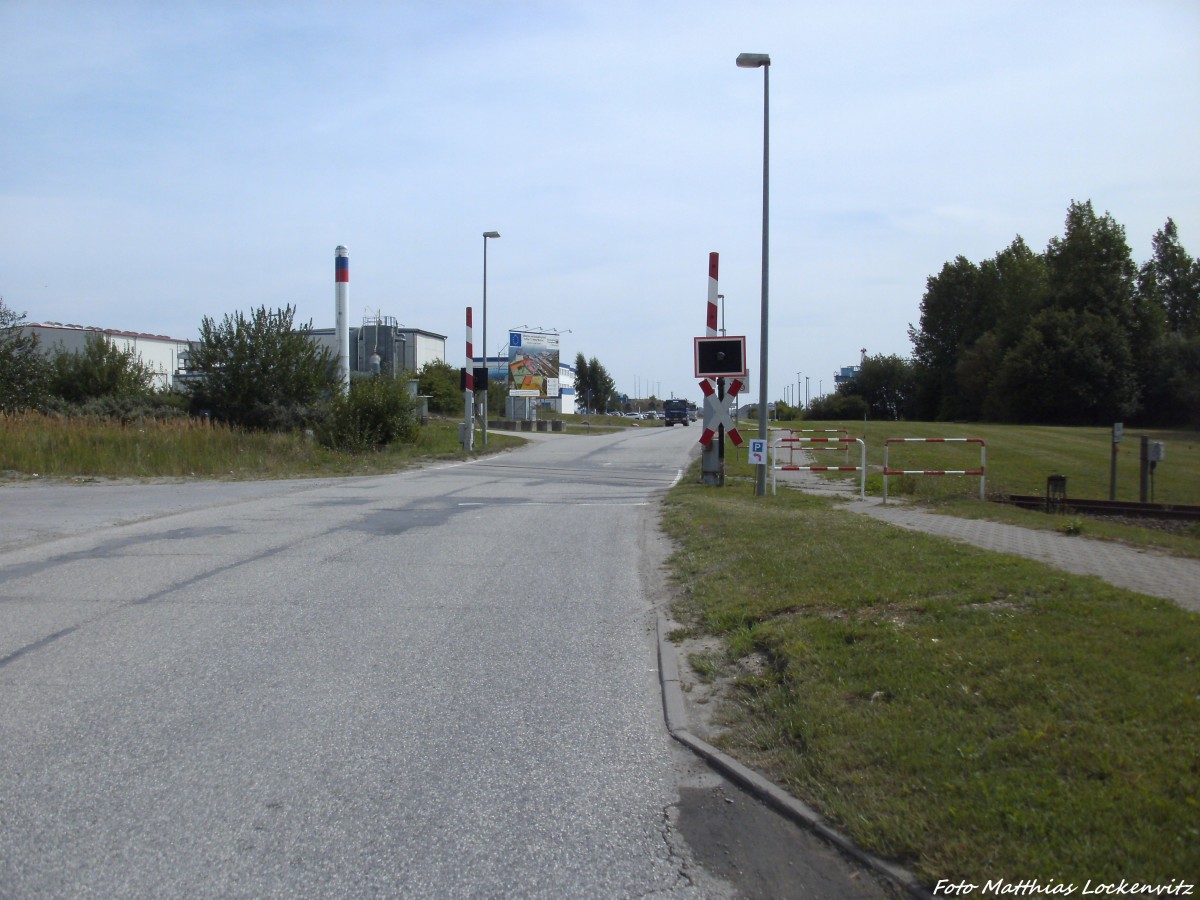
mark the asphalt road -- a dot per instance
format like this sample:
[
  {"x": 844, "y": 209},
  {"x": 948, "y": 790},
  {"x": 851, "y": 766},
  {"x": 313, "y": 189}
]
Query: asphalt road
[{"x": 437, "y": 683}]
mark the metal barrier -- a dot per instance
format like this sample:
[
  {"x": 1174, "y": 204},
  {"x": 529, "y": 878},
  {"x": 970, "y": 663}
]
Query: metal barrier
[
  {"x": 844, "y": 441},
  {"x": 887, "y": 470},
  {"x": 796, "y": 432}
]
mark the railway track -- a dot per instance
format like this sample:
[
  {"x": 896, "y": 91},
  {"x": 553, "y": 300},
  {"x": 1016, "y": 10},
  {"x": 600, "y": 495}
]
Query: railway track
[{"x": 1107, "y": 507}]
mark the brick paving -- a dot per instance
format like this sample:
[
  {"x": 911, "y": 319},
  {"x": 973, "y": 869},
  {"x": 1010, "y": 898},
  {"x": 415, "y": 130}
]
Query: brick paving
[{"x": 1144, "y": 571}]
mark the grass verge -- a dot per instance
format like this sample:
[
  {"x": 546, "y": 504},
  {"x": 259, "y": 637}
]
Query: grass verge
[
  {"x": 969, "y": 715},
  {"x": 45, "y": 446}
]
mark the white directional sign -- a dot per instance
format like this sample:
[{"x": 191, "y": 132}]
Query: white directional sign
[{"x": 758, "y": 452}]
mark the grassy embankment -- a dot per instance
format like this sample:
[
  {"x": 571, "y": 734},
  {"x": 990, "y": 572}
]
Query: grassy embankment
[
  {"x": 49, "y": 447},
  {"x": 970, "y": 715}
]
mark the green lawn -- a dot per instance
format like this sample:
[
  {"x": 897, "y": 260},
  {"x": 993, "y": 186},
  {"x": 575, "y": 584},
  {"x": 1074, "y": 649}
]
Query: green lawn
[
  {"x": 1017, "y": 456},
  {"x": 966, "y": 714},
  {"x": 1021, "y": 457}
]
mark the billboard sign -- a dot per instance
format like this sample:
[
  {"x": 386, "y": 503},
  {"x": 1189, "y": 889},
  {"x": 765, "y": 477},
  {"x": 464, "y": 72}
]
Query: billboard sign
[{"x": 533, "y": 364}]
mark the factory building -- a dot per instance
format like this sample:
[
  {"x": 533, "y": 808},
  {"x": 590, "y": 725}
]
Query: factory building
[
  {"x": 163, "y": 355},
  {"x": 381, "y": 345},
  {"x": 398, "y": 348}
]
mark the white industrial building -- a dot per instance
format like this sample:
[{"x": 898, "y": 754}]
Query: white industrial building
[
  {"x": 161, "y": 354},
  {"x": 399, "y": 349}
]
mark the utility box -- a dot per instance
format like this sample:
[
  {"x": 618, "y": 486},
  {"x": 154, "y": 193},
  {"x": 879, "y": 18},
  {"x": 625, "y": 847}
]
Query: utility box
[{"x": 1056, "y": 493}]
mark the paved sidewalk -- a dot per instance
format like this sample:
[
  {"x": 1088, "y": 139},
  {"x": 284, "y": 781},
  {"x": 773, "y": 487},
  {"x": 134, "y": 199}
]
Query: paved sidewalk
[{"x": 1143, "y": 571}]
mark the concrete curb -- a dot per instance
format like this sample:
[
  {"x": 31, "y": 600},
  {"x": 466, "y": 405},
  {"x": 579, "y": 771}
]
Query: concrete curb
[{"x": 675, "y": 714}]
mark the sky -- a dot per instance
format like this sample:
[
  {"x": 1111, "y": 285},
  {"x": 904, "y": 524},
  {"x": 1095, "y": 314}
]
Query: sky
[{"x": 165, "y": 161}]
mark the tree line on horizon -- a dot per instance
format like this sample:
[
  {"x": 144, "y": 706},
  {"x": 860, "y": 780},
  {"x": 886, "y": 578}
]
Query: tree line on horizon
[{"x": 1075, "y": 335}]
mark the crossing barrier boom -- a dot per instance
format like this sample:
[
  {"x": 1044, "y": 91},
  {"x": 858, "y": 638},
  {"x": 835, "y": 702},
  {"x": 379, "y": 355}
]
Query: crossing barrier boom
[{"x": 981, "y": 471}]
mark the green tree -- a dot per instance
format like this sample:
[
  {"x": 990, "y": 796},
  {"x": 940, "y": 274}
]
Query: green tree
[
  {"x": 593, "y": 385},
  {"x": 946, "y": 327},
  {"x": 583, "y": 387},
  {"x": 603, "y": 387},
  {"x": 439, "y": 381},
  {"x": 1090, "y": 267},
  {"x": 1017, "y": 283},
  {"x": 1070, "y": 367},
  {"x": 24, "y": 371},
  {"x": 101, "y": 369},
  {"x": 887, "y": 385},
  {"x": 259, "y": 371},
  {"x": 1169, "y": 349},
  {"x": 1170, "y": 280}
]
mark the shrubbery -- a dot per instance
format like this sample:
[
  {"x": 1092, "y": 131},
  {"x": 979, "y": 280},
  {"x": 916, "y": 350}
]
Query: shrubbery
[
  {"x": 258, "y": 371},
  {"x": 378, "y": 411},
  {"x": 158, "y": 406},
  {"x": 100, "y": 370},
  {"x": 439, "y": 381},
  {"x": 24, "y": 371},
  {"x": 833, "y": 407}
]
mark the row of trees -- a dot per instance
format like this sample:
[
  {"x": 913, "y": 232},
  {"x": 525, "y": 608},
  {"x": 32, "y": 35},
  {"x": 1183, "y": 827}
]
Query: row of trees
[{"x": 1077, "y": 334}]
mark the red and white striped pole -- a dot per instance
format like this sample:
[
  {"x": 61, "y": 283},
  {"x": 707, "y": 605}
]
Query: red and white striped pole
[
  {"x": 712, "y": 458},
  {"x": 711, "y": 326},
  {"x": 341, "y": 307},
  {"x": 469, "y": 388},
  {"x": 470, "y": 353}
]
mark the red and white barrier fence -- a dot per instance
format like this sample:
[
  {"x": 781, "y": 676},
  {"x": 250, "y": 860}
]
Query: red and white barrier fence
[
  {"x": 789, "y": 442},
  {"x": 794, "y": 432},
  {"x": 981, "y": 471}
]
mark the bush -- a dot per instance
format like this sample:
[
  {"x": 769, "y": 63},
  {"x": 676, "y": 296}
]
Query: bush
[
  {"x": 439, "y": 381},
  {"x": 159, "y": 406},
  {"x": 99, "y": 370},
  {"x": 24, "y": 372},
  {"x": 258, "y": 371},
  {"x": 837, "y": 407},
  {"x": 377, "y": 412}
]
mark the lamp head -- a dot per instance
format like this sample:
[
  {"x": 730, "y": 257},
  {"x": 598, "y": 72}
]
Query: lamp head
[
  {"x": 491, "y": 234},
  {"x": 753, "y": 60}
]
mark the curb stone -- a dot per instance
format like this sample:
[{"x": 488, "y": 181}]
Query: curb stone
[{"x": 675, "y": 713}]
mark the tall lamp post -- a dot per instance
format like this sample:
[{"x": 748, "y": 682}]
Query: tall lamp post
[
  {"x": 762, "y": 61},
  {"x": 487, "y": 381}
]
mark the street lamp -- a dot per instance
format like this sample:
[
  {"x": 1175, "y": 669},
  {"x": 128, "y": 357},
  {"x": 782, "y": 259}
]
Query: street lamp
[
  {"x": 487, "y": 378},
  {"x": 762, "y": 61}
]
